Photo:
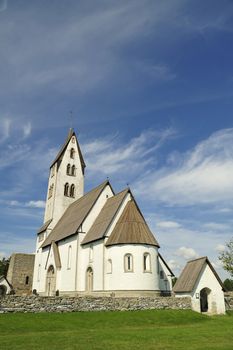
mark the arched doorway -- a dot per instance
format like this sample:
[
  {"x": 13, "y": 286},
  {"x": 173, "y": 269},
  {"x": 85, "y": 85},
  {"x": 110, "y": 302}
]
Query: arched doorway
[
  {"x": 51, "y": 281},
  {"x": 89, "y": 280},
  {"x": 3, "y": 291},
  {"x": 204, "y": 302}
]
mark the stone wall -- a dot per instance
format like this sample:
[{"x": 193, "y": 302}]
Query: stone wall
[
  {"x": 20, "y": 273},
  {"x": 11, "y": 303}
]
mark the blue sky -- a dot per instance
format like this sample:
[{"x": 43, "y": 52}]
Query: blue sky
[{"x": 150, "y": 84}]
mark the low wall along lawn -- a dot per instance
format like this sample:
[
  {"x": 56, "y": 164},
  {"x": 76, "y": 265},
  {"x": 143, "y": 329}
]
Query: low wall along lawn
[{"x": 12, "y": 303}]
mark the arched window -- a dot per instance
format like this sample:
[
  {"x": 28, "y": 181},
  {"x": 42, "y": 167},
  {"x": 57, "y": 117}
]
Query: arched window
[
  {"x": 146, "y": 262},
  {"x": 73, "y": 170},
  {"x": 128, "y": 262},
  {"x": 66, "y": 189},
  {"x": 109, "y": 266},
  {"x": 72, "y": 189},
  {"x": 68, "y": 169},
  {"x": 72, "y": 152},
  {"x": 69, "y": 257},
  {"x": 27, "y": 280}
]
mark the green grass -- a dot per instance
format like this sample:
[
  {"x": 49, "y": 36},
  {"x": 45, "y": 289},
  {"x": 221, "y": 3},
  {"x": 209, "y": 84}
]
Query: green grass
[{"x": 152, "y": 329}]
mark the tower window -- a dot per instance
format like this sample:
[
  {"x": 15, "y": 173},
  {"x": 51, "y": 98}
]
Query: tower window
[
  {"x": 50, "y": 191},
  {"x": 27, "y": 280},
  {"x": 128, "y": 262},
  {"x": 146, "y": 262},
  {"x": 73, "y": 170},
  {"x": 68, "y": 169},
  {"x": 72, "y": 152},
  {"x": 66, "y": 189},
  {"x": 72, "y": 190}
]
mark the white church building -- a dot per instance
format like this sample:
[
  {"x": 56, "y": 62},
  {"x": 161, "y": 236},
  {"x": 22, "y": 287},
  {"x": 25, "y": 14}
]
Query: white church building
[{"x": 95, "y": 243}]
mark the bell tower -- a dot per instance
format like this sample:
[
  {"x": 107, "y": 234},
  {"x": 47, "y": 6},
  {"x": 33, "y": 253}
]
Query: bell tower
[{"x": 66, "y": 179}]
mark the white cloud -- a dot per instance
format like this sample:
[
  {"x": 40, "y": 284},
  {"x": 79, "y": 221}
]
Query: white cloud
[
  {"x": 110, "y": 156},
  {"x": 187, "y": 253},
  {"x": 168, "y": 224},
  {"x": 203, "y": 176},
  {"x": 216, "y": 226},
  {"x": 35, "y": 204},
  {"x": 220, "y": 248},
  {"x": 5, "y": 125},
  {"x": 174, "y": 265},
  {"x": 3, "y": 255},
  {"x": 27, "y": 128}
]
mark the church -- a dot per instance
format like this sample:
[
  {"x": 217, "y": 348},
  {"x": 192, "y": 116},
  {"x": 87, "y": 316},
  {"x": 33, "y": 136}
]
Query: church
[{"x": 95, "y": 243}]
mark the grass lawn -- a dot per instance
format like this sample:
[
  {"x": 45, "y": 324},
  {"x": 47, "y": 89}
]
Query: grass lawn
[{"x": 152, "y": 329}]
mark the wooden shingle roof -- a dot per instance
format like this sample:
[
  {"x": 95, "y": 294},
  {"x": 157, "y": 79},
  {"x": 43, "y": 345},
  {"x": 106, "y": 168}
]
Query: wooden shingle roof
[
  {"x": 63, "y": 148},
  {"x": 44, "y": 226},
  {"x": 131, "y": 228},
  {"x": 104, "y": 219},
  {"x": 74, "y": 216},
  {"x": 190, "y": 274}
]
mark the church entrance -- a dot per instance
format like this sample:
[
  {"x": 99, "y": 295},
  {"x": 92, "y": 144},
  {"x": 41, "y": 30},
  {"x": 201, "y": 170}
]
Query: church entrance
[
  {"x": 204, "y": 299},
  {"x": 89, "y": 280},
  {"x": 51, "y": 281}
]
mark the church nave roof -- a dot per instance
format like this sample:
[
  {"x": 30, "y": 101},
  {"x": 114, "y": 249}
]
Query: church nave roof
[
  {"x": 104, "y": 219},
  {"x": 74, "y": 215}
]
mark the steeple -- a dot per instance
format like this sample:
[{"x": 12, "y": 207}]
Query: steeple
[{"x": 66, "y": 179}]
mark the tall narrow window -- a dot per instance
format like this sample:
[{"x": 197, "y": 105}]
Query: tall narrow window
[
  {"x": 109, "y": 266},
  {"x": 27, "y": 280},
  {"x": 69, "y": 257},
  {"x": 73, "y": 170},
  {"x": 128, "y": 262},
  {"x": 66, "y": 189},
  {"x": 72, "y": 152},
  {"x": 146, "y": 262},
  {"x": 161, "y": 275},
  {"x": 72, "y": 190},
  {"x": 68, "y": 169},
  {"x": 91, "y": 253}
]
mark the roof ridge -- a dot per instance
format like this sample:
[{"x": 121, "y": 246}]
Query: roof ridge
[
  {"x": 202, "y": 257},
  {"x": 107, "y": 205}
]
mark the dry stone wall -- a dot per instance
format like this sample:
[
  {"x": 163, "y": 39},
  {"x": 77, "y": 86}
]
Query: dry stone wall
[{"x": 34, "y": 304}]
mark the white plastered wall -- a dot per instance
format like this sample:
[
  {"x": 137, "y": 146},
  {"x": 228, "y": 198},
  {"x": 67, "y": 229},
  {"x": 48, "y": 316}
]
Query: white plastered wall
[
  {"x": 165, "y": 284},
  {"x": 207, "y": 279},
  {"x": 4, "y": 283},
  {"x": 139, "y": 280}
]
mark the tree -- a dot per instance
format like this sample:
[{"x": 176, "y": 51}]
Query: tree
[
  {"x": 4, "y": 264},
  {"x": 228, "y": 284},
  {"x": 226, "y": 257}
]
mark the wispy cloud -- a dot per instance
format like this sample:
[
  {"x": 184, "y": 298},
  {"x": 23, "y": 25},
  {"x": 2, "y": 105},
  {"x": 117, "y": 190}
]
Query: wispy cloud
[
  {"x": 3, "y": 5},
  {"x": 202, "y": 176},
  {"x": 5, "y": 125},
  {"x": 112, "y": 157},
  {"x": 168, "y": 224}
]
